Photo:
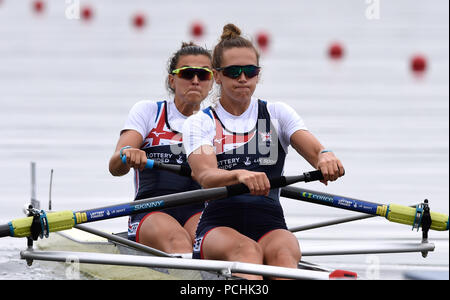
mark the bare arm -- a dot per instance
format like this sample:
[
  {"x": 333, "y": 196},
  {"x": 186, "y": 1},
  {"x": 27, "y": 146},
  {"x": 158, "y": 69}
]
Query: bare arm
[
  {"x": 203, "y": 163},
  {"x": 136, "y": 158},
  {"x": 310, "y": 148}
]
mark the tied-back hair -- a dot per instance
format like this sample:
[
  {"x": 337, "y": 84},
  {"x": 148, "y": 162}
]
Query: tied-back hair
[{"x": 231, "y": 38}]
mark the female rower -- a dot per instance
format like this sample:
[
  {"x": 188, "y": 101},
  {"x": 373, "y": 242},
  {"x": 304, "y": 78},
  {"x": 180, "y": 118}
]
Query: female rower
[
  {"x": 245, "y": 140},
  {"x": 152, "y": 130}
]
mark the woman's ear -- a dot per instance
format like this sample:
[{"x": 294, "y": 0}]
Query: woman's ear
[
  {"x": 211, "y": 84},
  {"x": 216, "y": 77},
  {"x": 171, "y": 80}
]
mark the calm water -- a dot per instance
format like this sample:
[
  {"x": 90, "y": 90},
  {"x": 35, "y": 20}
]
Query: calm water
[{"x": 66, "y": 87}]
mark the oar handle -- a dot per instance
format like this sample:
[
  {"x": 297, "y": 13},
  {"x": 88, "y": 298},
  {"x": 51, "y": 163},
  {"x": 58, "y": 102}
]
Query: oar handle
[
  {"x": 184, "y": 170},
  {"x": 5, "y": 230},
  {"x": 152, "y": 164},
  {"x": 149, "y": 165},
  {"x": 313, "y": 176},
  {"x": 240, "y": 188}
]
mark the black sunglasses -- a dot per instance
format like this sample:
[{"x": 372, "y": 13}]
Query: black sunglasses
[
  {"x": 189, "y": 73},
  {"x": 235, "y": 71}
]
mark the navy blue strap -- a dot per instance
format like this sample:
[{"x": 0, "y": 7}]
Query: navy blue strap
[{"x": 160, "y": 105}]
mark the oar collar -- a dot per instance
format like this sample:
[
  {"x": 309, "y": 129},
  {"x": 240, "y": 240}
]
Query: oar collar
[{"x": 39, "y": 225}]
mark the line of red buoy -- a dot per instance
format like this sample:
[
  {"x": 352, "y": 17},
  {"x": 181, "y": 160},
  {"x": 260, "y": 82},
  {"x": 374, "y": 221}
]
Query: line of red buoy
[{"x": 418, "y": 63}]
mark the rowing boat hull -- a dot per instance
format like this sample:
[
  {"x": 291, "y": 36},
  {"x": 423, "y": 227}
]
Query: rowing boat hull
[
  {"x": 80, "y": 241},
  {"x": 101, "y": 258}
]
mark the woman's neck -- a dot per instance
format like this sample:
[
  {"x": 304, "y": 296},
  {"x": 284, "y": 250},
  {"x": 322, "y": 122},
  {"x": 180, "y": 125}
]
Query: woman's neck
[
  {"x": 185, "y": 108},
  {"x": 234, "y": 107}
]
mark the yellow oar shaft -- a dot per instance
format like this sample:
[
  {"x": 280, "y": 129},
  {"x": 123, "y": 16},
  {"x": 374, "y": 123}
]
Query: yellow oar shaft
[
  {"x": 406, "y": 215},
  {"x": 56, "y": 221}
]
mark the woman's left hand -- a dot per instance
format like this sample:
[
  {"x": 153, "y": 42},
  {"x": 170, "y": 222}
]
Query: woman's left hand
[{"x": 330, "y": 166}]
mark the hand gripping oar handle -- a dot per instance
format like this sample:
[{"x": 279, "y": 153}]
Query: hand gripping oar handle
[
  {"x": 238, "y": 189},
  {"x": 152, "y": 164},
  {"x": 184, "y": 170}
]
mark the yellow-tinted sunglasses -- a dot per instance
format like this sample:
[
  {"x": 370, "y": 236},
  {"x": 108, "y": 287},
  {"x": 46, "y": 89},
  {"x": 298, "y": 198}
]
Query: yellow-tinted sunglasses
[{"x": 190, "y": 72}]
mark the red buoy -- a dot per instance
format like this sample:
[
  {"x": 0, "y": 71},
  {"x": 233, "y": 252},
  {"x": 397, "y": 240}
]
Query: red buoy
[
  {"x": 336, "y": 51},
  {"x": 87, "y": 13},
  {"x": 139, "y": 20},
  {"x": 263, "y": 40},
  {"x": 38, "y": 6},
  {"x": 197, "y": 29},
  {"x": 418, "y": 63}
]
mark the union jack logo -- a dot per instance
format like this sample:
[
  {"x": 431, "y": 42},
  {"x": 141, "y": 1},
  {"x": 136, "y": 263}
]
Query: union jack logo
[
  {"x": 161, "y": 135},
  {"x": 266, "y": 136}
]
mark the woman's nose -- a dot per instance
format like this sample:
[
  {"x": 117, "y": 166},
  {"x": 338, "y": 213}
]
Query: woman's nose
[
  {"x": 242, "y": 77},
  {"x": 195, "y": 80}
]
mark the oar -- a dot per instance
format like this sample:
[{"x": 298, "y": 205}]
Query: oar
[
  {"x": 334, "y": 222},
  {"x": 177, "y": 169},
  {"x": 393, "y": 212},
  {"x": 43, "y": 223}
]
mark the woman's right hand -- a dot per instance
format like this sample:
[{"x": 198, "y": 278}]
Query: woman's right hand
[
  {"x": 257, "y": 182},
  {"x": 135, "y": 158}
]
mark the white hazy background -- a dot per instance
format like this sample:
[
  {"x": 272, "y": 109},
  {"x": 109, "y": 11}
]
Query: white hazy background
[{"x": 66, "y": 87}]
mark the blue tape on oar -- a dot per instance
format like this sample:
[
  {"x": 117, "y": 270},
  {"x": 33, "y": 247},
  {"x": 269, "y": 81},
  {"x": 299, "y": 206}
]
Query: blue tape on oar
[{"x": 150, "y": 163}]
